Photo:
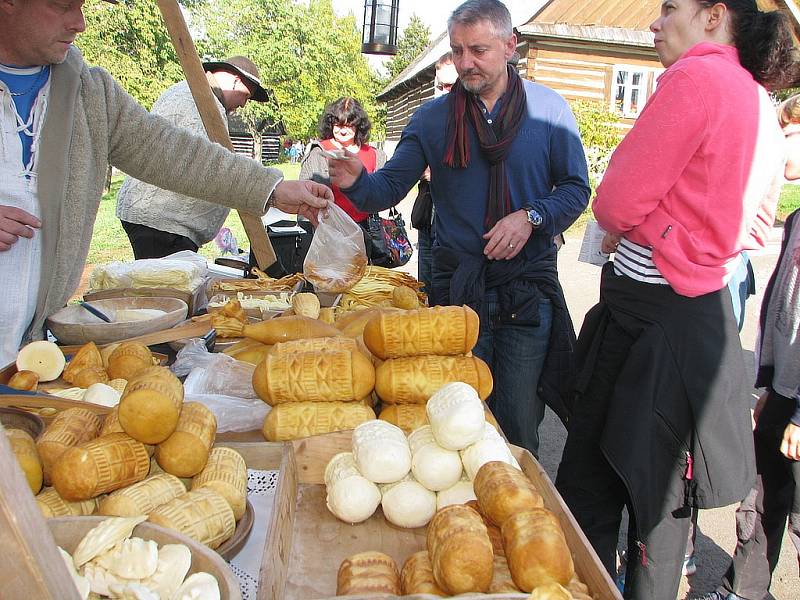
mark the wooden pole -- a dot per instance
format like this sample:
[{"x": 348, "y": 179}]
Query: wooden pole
[
  {"x": 260, "y": 245},
  {"x": 31, "y": 566}
]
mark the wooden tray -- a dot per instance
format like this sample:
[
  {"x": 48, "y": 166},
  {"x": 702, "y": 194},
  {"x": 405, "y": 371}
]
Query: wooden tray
[
  {"x": 17, "y": 418},
  {"x": 306, "y": 543},
  {"x": 243, "y": 528},
  {"x": 46, "y": 406},
  {"x": 69, "y": 531}
]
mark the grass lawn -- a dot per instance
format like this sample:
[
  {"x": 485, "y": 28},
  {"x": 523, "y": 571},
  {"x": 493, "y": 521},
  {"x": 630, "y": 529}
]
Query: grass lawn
[{"x": 109, "y": 241}]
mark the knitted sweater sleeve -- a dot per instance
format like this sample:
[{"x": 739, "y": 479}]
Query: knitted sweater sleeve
[{"x": 151, "y": 149}]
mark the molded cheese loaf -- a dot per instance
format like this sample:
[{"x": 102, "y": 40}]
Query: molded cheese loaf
[
  {"x": 111, "y": 424},
  {"x": 536, "y": 550},
  {"x": 225, "y": 473},
  {"x": 69, "y": 428},
  {"x": 202, "y": 514},
  {"x": 53, "y": 505},
  {"x": 372, "y": 574},
  {"x": 503, "y": 490},
  {"x": 460, "y": 550},
  {"x": 128, "y": 360},
  {"x": 324, "y": 376},
  {"x": 87, "y": 355},
  {"x": 443, "y": 330},
  {"x": 433, "y": 466},
  {"x": 24, "y": 449},
  {"x": 142, "y": 498},
  {"x": 351, "y": 496},
  {"x": 286, "y": 329},
  {"x": 417, "y": 576},
  {"x": 185, "y": 452},
  {"x": 295, "y": 420},
  {"x": 415, "y": 379},
  {"x": 315, "y": 345},
  {"x": 99, "y": 466},
  {"x": 407, "y": 417},
  {"x": 150, "y": 407},
  {"x": 456, "y": 416},
  {"x": 381, "y": 451}
]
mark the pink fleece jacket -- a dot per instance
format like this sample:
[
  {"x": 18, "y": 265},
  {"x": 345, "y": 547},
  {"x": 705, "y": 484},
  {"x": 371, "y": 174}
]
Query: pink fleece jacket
[{"x": 697, "y": 179}]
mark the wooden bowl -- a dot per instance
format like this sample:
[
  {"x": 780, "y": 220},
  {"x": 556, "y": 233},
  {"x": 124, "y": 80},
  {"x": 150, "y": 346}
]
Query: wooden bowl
[
  {"x": 231, "y": 546},
  {"x": 21, "y": 419},
  {"x": 74, "y": 324},
  {"x": 69, "y": 531}
]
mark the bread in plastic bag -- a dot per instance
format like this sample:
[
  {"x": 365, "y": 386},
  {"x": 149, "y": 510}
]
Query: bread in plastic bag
[
  {"x": 184, "y": 271},
  {"x": 337, "y": 257}
]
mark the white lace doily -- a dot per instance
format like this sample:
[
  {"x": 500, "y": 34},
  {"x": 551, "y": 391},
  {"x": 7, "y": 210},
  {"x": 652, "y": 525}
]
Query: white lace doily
[{"x": 246, "y": 565}]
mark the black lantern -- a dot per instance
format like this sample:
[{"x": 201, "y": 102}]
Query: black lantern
[{"x": 380, "y": 27}]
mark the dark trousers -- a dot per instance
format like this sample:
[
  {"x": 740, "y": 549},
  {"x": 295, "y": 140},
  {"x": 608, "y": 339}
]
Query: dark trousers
[
  {"x": 761, "y": 518},
  {"x": 154, "y": 243},
  {"x": 596, "y": 495}
]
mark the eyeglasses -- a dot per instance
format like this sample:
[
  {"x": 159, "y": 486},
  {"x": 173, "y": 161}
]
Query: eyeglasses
[{"x": 444, "y": 87}]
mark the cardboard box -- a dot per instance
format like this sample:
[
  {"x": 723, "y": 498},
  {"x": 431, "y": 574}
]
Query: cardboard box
[{"x": 306, "y": 543}]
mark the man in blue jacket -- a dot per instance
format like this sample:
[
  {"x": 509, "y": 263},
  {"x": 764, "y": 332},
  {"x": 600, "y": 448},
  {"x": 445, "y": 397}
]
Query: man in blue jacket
[{"x": 508, "y": 174}]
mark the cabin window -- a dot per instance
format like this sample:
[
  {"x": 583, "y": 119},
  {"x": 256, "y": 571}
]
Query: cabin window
[{"x": 629, "y": 90}]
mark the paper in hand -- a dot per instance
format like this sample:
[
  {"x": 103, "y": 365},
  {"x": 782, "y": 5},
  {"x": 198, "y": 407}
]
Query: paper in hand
[{"x": 591, "y": 247}]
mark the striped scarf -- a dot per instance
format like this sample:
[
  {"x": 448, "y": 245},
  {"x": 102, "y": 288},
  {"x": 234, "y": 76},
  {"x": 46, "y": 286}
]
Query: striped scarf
[{"x": 495, "y": 140}]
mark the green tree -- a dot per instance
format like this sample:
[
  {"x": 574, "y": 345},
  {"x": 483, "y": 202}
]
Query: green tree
[
  {"x": 415, "y": 37},
  {"x": 131, "y": 41},
  {"x": 599, "y": 135},
  {"x": 307, "y": 55}
]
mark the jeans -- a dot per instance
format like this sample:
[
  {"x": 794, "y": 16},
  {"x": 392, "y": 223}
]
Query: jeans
[
  {"x": 425, "y": 258},
  {"x": 516, "y": 354}
]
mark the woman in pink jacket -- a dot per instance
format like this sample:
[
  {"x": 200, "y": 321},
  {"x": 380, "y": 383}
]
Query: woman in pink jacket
[{"x": 660, "y": 421}]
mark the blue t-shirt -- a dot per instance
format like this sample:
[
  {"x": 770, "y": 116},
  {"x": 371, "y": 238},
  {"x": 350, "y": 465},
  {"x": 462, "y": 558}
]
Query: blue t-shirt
[{"x": 28, "y": 82}]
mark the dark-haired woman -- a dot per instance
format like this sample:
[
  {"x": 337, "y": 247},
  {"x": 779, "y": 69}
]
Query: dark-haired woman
[
  {"x": 661, "y": 420},
  {"x": 343, "y": 127}
]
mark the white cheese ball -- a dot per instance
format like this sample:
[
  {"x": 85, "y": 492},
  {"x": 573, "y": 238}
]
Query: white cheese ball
[
  {"x": 460, "y": 493},
  {"x": 456, "y": 416},
  {"x": 433, "y": 466},
  {"x": 381, "y": 451},
  {"x": 408, "y": 503},
  {"x": 490, "y": 447},
  {"x": 351, "y": 497}
]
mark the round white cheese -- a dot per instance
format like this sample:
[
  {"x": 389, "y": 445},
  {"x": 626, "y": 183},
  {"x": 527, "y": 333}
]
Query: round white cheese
[
  {"x": 407, "y": 503},
  {"x": 460, "y": 493},
  {"x": 381, "y": 451},
  {"x": 456, "y": 416},
  {"x": 490, "y": 447},
  {"x": 351, "y": 497},
  {"x": 433, "y": 466}
]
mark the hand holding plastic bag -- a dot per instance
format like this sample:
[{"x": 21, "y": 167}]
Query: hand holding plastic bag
[{"x": 337, "y": 257}]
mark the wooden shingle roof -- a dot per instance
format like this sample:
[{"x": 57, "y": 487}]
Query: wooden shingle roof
[{"x": 625, "y": 14}]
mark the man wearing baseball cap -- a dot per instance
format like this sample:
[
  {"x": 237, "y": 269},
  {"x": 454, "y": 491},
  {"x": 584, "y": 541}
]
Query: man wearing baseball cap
[
  {"x": 62, "y": 123},
  {"x": 159, "y": 222}
]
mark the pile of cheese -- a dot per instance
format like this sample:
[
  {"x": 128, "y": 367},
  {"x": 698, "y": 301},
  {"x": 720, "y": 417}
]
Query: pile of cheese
[
  {"x": 149, "y": 273},
  {"x": 110, "y": 563},
  {"x": 411, "y": 477}
]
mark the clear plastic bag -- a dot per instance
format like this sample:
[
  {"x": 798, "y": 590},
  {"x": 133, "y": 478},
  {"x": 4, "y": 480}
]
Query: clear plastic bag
[
  {"x": 223, "y": 384},
  {"x": 212, "y": 373},
  {"x": 184, "y": 270},
  {"x": 337, "y": 257}
]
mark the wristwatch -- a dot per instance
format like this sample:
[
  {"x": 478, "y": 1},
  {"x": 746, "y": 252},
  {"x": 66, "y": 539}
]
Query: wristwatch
[{"x": 534, "y": 218}]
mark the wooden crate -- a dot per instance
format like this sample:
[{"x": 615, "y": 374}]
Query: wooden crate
[
  {"x": 306, "y": 543},
  {"x": 195, "y": 300}
]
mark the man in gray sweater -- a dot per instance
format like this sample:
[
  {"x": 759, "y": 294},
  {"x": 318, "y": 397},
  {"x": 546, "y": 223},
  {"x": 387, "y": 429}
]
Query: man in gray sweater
[
  {"x": 61, "y": 124},
  {"x": 160, "y": 222}
]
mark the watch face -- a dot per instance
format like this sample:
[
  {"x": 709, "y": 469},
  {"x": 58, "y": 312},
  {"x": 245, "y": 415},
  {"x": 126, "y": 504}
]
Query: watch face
[{"x": 534, "y": 218}]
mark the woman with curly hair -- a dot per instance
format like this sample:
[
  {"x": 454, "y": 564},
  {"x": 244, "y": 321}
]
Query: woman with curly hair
[
  {"x": 661, "y": 420},
  {"x": 343, "y": 127}
]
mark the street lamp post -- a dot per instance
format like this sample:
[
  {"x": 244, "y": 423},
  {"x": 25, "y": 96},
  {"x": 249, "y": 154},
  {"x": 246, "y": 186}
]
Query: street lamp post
[{"x": 379, "y": 35}]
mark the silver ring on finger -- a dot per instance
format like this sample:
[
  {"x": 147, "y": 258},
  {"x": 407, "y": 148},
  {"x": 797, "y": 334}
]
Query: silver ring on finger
[{"x": 511, "y": 245}]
